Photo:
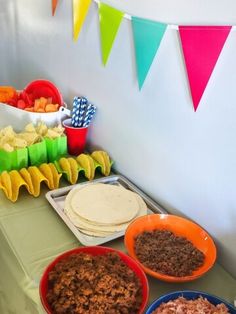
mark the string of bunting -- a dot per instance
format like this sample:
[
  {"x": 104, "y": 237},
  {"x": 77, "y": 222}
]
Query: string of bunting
[{"x": 201, "y": 45}]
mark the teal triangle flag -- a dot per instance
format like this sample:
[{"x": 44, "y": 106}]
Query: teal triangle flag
[{"x": 147, "y": 38}]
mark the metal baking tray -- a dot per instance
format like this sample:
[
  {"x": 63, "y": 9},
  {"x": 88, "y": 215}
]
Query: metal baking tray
[{"x": 57, "y": 199}]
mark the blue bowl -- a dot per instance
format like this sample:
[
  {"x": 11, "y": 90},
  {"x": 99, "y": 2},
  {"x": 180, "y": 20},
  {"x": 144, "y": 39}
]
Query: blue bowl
[{"x": 189, "y": 295}]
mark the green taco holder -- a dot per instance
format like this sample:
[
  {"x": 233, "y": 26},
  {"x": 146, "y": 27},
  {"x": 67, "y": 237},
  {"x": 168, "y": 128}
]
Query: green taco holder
[
  {"x": 13, "y": 160},
  {"x": 65, "y": 173},
  {"x": 99, "y": 167},
  {"x": 56, "y": 148},
  {"x": 37, "y": 153}
]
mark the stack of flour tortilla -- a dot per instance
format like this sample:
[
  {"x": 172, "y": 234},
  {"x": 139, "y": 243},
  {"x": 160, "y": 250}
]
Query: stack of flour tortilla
[{"x": 102, "y": 209}]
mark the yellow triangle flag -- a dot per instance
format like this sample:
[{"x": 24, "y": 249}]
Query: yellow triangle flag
[{"x": 80, "y": 10}]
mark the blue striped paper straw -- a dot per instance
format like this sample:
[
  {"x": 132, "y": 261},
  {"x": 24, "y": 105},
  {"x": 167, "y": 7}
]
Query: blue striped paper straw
[
  {"x": 75, "y": 111},
  {"x": 89, "y": 115},
  {"x": 87, "y": 111},
  {"x": 84, "y": 100},
  {"x": 76, "y": 103},
  {"x": 81, "y": 114}
]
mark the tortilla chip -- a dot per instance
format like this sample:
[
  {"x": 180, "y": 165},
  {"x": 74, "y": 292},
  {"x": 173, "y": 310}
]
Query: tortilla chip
[
  {"x": 52, "y": 134},
  {"x": 27, "y": 177},
  {"x": 19, "y": 143},
  {"x": 16, "y": 182},
  {"x": 7, "y": 147},
  {"x": 46, "y": 171},
  {"x": 59, "y": 129},
  {"x": 74, "y": 170},
  {"x": 55, "y": 174},
  {"x": 37, "y": 178},
  {"x": 41, "y": 129},
  {"x": 30, "y": 137},
  {"x": 87, "y": 163},
  {"x": 30, "y": 128},
  {"x": 6, "y": 184},
  {"x": 8, "y": 132}
]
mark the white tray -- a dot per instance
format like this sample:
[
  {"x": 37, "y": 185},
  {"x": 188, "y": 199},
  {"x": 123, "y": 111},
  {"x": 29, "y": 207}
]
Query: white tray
[{"x": 57, "y": 199}]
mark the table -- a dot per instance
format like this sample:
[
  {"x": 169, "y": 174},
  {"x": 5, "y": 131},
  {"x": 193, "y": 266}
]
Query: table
[{"x": 32, "y": 235}]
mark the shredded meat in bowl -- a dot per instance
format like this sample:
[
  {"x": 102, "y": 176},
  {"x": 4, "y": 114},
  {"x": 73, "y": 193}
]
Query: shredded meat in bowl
[
  {"x": 86, "y": 284},
  {"x": 198, "y": 306}
]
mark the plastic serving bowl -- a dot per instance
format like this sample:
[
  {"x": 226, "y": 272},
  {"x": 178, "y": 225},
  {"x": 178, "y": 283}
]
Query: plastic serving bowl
[
  {"x": 18, "y": 118},
  {"x": 95, "y": 250},
  {"x": 180, "y": 227},
  {"x": 189, "y": 295},
  {"x": 44, "y": 88}
]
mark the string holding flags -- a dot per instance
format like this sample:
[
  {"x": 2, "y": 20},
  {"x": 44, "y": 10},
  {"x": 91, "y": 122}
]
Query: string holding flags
[{"x": 201, "y": 45}]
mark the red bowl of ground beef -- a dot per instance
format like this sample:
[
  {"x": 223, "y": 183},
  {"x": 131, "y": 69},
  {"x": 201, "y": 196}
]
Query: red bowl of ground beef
[
  {"x": 170, "y": 248},
  {"x": 94, "y": 280}
]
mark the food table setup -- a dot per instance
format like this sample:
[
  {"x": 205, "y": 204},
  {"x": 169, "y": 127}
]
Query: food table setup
[
  {"x": 33, "y": 235},
  {"x": 76, "y": 237}
]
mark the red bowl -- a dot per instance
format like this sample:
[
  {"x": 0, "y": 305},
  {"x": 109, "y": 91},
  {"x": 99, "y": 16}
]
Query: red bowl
[
  {"x": 44, "y": 88},
  {"x": 95, "y": 250},
  {"x": 180, "y": 227}
]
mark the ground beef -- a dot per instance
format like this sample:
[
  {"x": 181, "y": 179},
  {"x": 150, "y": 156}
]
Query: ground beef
[
  {"x": 87, "y": 284},
  {"x": 162, "y": 251},
  {"x": 197, "y": 306}
]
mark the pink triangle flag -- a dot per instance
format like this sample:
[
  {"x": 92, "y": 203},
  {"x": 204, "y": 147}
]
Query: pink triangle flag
[{"x": 201, "y": 46}]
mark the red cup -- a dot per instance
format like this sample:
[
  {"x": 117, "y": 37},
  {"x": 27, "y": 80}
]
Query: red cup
[{"x": 76, "y": 137}]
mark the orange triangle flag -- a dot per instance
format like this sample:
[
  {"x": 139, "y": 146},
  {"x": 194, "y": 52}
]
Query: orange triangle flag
[{"x": 54, "y": 6}]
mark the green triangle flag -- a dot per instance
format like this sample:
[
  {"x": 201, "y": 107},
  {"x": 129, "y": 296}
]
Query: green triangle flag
[
  {"x": 147, "y": 38},
  {"x": 110, "y": 20}
]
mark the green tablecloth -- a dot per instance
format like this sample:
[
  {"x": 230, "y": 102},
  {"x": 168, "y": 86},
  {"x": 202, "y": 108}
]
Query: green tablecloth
[{"x": 32, "y": 234}]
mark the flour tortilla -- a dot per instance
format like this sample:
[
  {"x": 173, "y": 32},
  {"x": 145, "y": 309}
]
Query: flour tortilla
[
  {"x": 103, "y": 204},
  {"x": 86, "y": 226},
  {"x": 96, "y": 233}
]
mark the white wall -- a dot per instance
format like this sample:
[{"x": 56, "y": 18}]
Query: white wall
[{"x": 184, "y": 160}]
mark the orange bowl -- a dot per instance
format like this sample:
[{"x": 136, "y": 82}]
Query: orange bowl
[{"x": 180, "y": 227}]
